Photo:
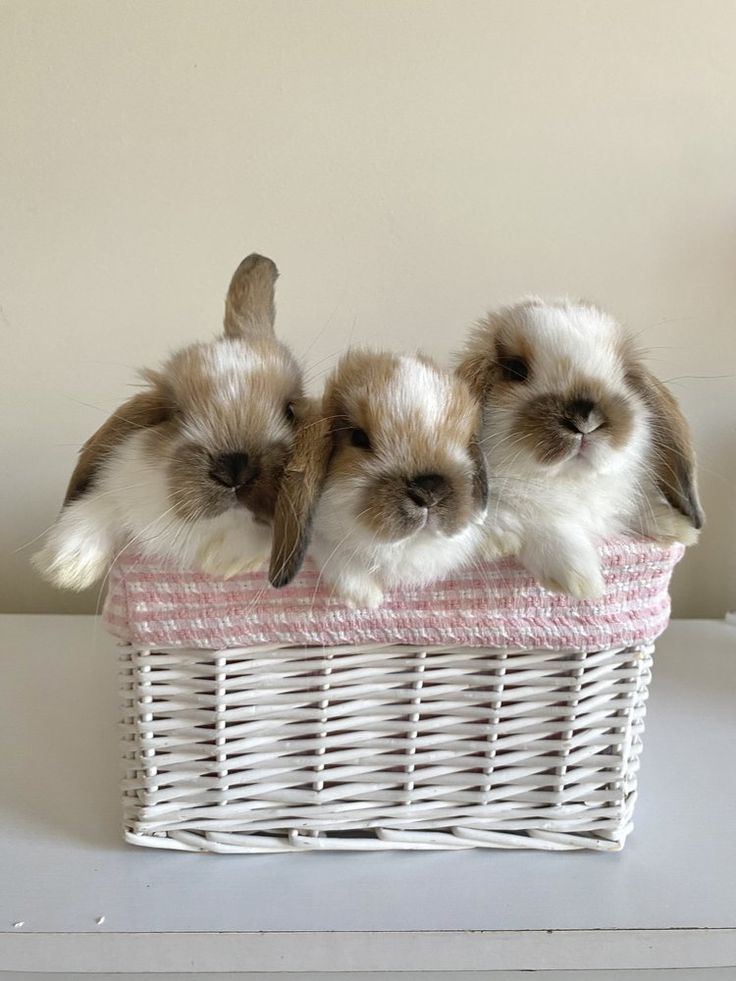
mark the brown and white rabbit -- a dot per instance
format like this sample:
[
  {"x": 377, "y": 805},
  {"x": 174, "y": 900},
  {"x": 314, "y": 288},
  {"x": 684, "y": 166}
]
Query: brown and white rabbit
[
  {"x": 387, "y": 479},
  {"x": 189, "y": 468},
  {"x": 582, "y": 442}
]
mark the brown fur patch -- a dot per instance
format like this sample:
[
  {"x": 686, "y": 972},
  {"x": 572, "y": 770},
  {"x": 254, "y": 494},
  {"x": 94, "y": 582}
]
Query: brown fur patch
[
  {"x": 300, "y": 488},
  {"x": 194, "y": 494},
  {"x": 541, "y": 421},
  {"x": 673, "y": 457},
  {"x": 146, "y": 409}
]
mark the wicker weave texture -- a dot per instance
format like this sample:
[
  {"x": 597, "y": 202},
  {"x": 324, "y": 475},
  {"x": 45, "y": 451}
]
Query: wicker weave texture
[{"x": 291, "y": 749}]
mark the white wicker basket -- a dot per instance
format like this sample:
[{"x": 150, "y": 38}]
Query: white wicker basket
[{"x": 279, "y": 746}]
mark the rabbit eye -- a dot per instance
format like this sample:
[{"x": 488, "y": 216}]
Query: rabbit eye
[
  {"x": 514, "y": 369},
  {"x": 289, "y": 412},
  {"x": 359, "y": 438}
]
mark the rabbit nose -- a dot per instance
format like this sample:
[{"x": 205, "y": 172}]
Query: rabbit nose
[
  {"x": 427, "y": 489},
  {"x": 581, "y": 416},
  {"x": 233, "y": 470}
]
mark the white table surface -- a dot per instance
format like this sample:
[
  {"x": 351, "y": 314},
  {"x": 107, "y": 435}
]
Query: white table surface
[{"x": 667, "y": 900}]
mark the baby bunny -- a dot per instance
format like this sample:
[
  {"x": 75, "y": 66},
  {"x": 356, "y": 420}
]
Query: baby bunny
[
  {"x": 188, "y": 469},
  {"x": 387, "y": 477},
  {"x": 582, "y": 442}
]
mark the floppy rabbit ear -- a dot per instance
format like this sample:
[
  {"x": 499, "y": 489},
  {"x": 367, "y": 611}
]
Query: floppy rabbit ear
[
  {"x": 475, "y": 371},
  {"x": 673, "y": 456},
  {"x": 140, "y": 412},
  {"x": 299, "y": 492},
  {"x": 249, "y": 304},
  {"x": 480, "y": 476}
]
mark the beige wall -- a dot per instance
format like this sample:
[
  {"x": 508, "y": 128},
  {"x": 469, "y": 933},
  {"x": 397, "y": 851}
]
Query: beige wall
[{"x": 407, "y": 162}]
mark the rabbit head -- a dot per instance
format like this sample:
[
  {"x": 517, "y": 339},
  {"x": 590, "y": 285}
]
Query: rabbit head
[
  {"x": 391, "y": 455},
  {"x": 566, "y": 394}
]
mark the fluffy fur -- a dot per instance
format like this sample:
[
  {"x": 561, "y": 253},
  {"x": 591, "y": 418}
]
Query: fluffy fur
[
  {"x": 189, "y": 468},
  {"x": 582, "y": 442},
  {"x": 387, "y": 479}
]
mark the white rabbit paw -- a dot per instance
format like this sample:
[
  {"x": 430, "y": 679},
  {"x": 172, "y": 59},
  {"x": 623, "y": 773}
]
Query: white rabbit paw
[
  {"x": 583, "y": 583},
  {"x": 224, "y": 556},
  {"x": 665, "y": 525},
  {"x": 499, "y": 543},
  {"x": 360, "y": 594},
  {"x": 74, "y": 565}
]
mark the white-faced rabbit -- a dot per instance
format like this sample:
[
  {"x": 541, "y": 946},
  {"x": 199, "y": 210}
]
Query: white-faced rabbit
[
  {"x": 188, "y": 469},
  {"x": 582, "y": 442},
  {"x": 387, "y": 479}
]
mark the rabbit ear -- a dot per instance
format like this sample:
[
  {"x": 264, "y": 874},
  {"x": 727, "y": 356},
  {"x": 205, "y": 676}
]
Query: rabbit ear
[
  {"x": 249, "y": 304},
  {"x": 673, "y": 453},
  {"x": 480, "y": 476},
  {"x": 299, "y": 492},
  {"x": 140, "y": 412},
  {"x": 475, "y": 371}
]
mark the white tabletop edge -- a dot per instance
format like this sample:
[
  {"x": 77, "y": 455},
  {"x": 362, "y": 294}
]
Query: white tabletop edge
[{"x": 456, "y": 950}]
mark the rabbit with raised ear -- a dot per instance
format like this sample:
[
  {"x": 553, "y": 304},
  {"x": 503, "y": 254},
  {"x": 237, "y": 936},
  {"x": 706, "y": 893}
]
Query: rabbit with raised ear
[
  {"x": 387, "y": 479},
  {"x": 582, "y": 442},
  {"x": 188, "y": 469}
]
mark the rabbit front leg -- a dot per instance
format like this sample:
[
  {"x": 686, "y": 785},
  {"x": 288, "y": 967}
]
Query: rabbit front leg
[
  {"x": 80, "y": 546},
  {"x": 231, "y": 545},
  {"x": 349, "y": 580},
  {"x": 360, "y": 590},
  {"x": 564, "y": 560},
  {"x": 502, "y": 534}
]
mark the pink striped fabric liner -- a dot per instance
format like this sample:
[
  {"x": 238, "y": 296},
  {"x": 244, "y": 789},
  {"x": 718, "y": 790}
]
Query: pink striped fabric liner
[{"x": 151, "y": 605}]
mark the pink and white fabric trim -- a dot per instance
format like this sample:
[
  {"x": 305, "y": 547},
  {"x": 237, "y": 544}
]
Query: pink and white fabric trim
[{"x": 152, "y": 605}]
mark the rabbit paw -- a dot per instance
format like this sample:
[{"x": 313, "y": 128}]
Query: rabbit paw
[
  {"x": 224, "y": 556},
  {"x": 361, "y": 594},
  {"x": 75, "y": 565},
  {"x": 665, "y": 525},
  {"x": 574, "y": 570},
  {"x": 499, "y": 543},
  {"x": 582, "y": 581}
]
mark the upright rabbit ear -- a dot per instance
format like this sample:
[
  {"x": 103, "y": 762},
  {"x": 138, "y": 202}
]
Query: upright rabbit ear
[
  {"x": 299, "y": 493},
  {"x": 146, "y": 409},
  {"x": 249, "y": 304},
  {"x": 673, "y": 453}
]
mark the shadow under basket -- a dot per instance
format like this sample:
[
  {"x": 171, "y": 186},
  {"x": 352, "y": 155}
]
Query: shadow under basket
[{"x": 480, "y": 712}]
